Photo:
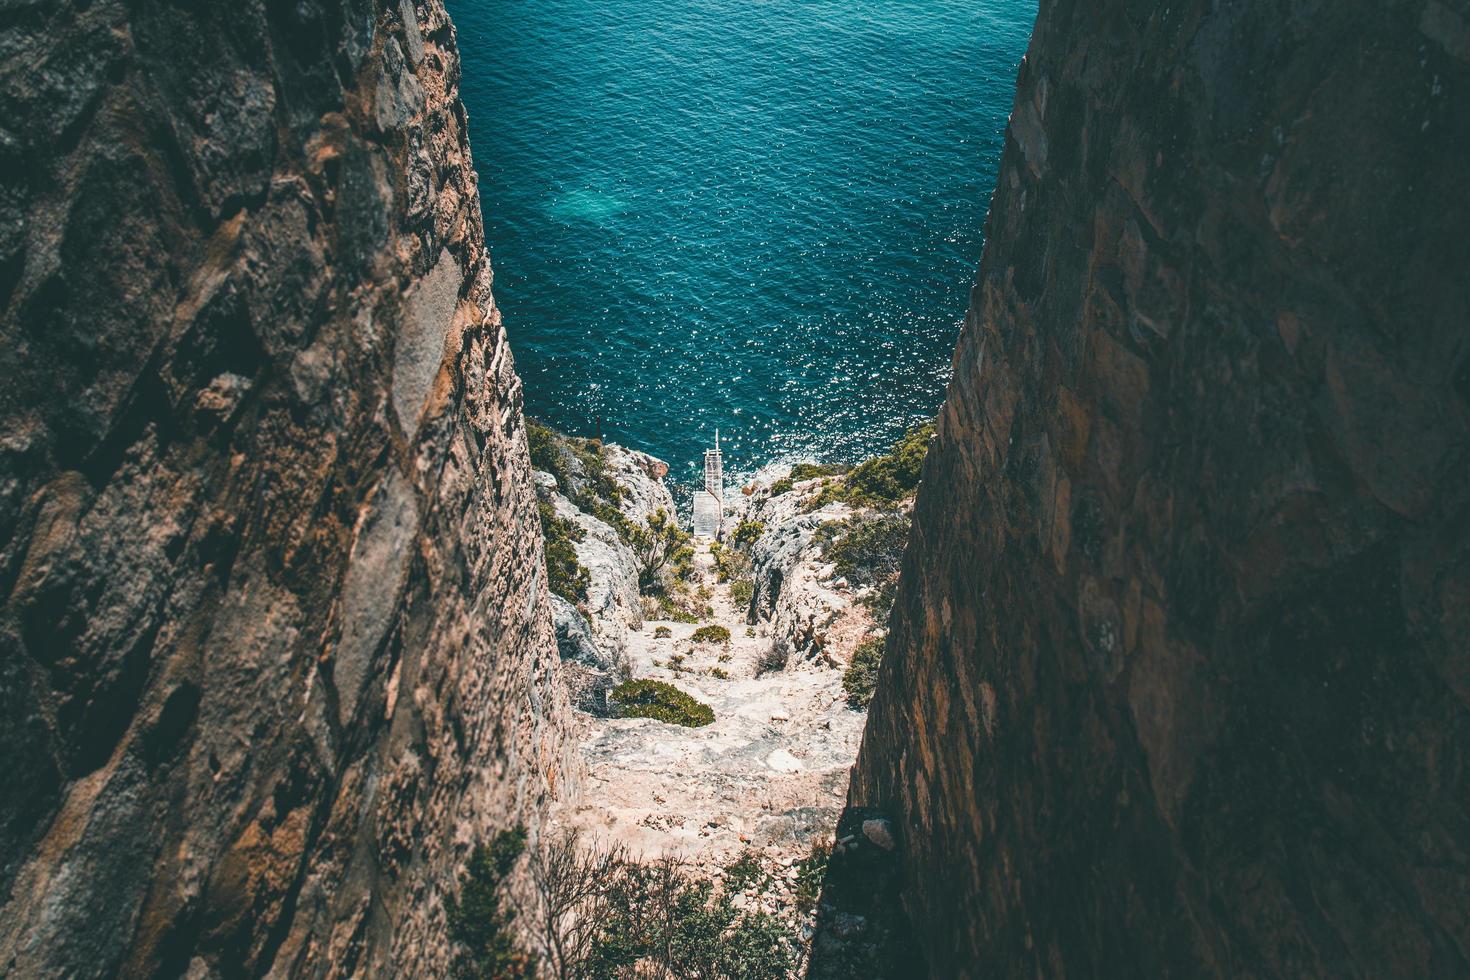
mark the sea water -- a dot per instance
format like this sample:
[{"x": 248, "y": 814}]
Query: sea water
[{"x": 761, "y": 216}]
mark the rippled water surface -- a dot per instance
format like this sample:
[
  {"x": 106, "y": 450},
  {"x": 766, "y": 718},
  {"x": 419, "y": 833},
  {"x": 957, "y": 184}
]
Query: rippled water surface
[{"x": 761, "y": 215}]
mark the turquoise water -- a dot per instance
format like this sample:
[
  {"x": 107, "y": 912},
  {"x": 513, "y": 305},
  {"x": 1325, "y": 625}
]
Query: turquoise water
[{"x": 756, "y": 215}]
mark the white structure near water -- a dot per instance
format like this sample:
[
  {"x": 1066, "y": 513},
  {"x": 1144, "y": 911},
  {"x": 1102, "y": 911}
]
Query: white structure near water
[{"x": 709, "y": 503}]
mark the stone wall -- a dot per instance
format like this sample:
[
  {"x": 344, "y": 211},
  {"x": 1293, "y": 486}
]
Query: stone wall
[
  {"x": 1177, "y": 683},
  {"x": 276, "y": 646}
]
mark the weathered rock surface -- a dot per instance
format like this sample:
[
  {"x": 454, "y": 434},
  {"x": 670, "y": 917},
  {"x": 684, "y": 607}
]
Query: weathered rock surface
[
  {"x": 1177, "y": 679},
  {"x": 642, "y": 478},
  {"x": 612, "y": 607},
  {"x": 276, "y": 647},
  {"x": 612, "y": 604},
  {"x": 807, "y": 615},
  {"x": 768, "y": 773}
]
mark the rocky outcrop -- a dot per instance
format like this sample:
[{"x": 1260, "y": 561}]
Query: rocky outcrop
[
  {"x": 809, "y": 613},
  {"x": 1177, "y": 679},
  {"x": 593, "y": 633},
  {"x": 641, "y": 478},
  {"x": 276, "y": 646}
]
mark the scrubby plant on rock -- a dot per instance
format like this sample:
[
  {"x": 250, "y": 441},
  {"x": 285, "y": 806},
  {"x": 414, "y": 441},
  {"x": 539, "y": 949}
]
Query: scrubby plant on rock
[
  {"x": 746, "y": 534},
  {"x": 730, "y": 563},
  {"x": 746, "y": 871},
  {"x": 598, "y": 913},
  {"x": 868, "y": 551},
  {"x": 660, "y": 701},
  {"x": 713, "y": 633},
  {"x": 860, "y": 679},
  {"x": 741, "y": 591},
  {"x": 662, "y": 633},
  {"x": 883, "y": 481},
  {"x": 810, "y": 872},
  {"x": 661, "y": 546},
  {"x": 580, "y": 469},
  {"x": 680, "y": 609},
  {"x": 480, "y": 928},
  {"x": 774, "y": 659},
  {"x": 565, "y": 575}
]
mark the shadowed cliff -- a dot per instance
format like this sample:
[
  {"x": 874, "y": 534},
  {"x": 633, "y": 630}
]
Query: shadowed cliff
[
  {"x": 275, "y": 646},
  {"x": 1178, "y": 675}
]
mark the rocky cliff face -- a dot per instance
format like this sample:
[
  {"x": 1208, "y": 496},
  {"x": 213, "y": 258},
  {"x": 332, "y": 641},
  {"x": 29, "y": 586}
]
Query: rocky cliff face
[
  {"x": 276, "y": 646},
  {"x": 810, "y": 612},
  {"x": 1177, "y": 683}
]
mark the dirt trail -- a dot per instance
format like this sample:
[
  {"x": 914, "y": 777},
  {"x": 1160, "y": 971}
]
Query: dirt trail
[{"x": 771, "y": 771}]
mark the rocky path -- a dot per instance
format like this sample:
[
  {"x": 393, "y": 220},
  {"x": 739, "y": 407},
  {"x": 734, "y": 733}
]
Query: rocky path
[{"x": 770, "y": 772}]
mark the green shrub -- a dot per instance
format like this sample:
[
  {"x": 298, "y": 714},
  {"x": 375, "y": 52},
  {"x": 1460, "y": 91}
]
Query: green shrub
[
  {"x": 544, "y": 453},
  {"x": 671, "y": 610},
  {"x": 596, "y": 492},
  {"x": 660, "y": 701},
  {"x": 810, "y": 471},
  {"x": 865, "y": 550},
  {"x": 883, "y": 480},
  {"x": 565, "y": 575},
  {"x": 745, "y": 871},
  {"x": 658, "y": 921},
  {"x": 747, "y": 533},
  {"x": 659, "y": 545},
  {"x": 810, "y": 872},
  {"x": 485, "y": 943},
  {"x": 729, "y": 562},
  {"x": 662, "y": 633},
  {"x": 741, "y": 590},
  {"x": 713, "y": 633},
  {"x": 781, "y": 486},
  {"x": 719, "y": 673},
  {"x": 774, "y": 659},
  {"x": 860, "y": 679}
]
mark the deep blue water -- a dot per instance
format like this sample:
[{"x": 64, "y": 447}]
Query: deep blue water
[{"x": 761, "y": 215}]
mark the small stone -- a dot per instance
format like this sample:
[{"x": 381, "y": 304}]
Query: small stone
[
  {"x": 880, "y": 832},
  {"x": 783, "y": 761}
]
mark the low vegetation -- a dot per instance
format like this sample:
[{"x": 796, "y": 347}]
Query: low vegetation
[
  {"x": 860, "y": 679},
  {"x": 730, "y": 563},
  {"x": 807, "y": 471},
  {"x": 660, "y": 701},
  {"x": 566, "y": 576},
  {"x": 662, "y": 633},
  {"x": 746, "y": 534},
  {"x": 867, "y": 550},
  {"x": 681, "y": 607},
  {"x": 885, "y": 480},
  {"x": 481, "y": 918},
  {"x": 661, "y": 547},
  {"x": 741, "y": 591},
  {"x": 581, "y": 473},
  {"x": 599, "y": 914},
  {"x": 713, "y": 633},
  {"x": 774, "y": 659},
  {"x": 746, "y": 871},
  {"x": 811, "y": 871}
]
